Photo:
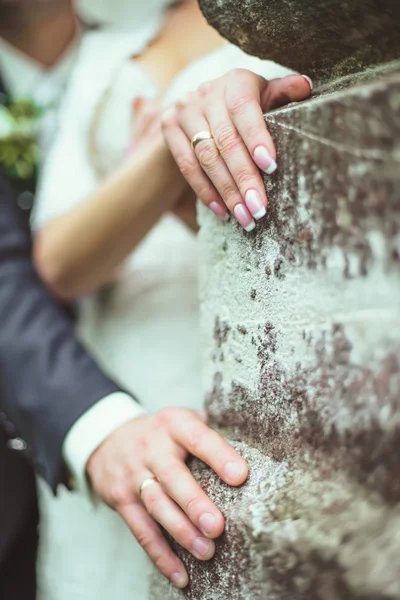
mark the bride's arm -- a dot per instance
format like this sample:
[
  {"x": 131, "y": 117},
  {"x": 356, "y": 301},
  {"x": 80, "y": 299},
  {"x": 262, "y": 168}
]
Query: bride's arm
[{"x": 78, "y": 252}]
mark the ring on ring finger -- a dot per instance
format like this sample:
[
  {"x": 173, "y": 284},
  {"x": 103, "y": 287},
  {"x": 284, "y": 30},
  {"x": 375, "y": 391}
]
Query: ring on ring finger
[
  {"x": 201, "y": 136},
  {"x": 146, "y": 482}
]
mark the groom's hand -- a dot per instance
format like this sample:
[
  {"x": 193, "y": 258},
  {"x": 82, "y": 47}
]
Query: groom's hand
[{"x": 156, "y": 446}]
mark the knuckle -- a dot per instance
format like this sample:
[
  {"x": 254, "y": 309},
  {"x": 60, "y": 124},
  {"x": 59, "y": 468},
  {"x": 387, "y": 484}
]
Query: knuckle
[
  {"x": 236, "y": 72},
  {"x": 230, "y": 195},
  {"x": 165, "y": 416},
  {"x": 227, "y": 139},
  {"x": 206, "y": 194},
  {"x": 159, "y": 562},
  {"x": 119, "y": 493},
  {"x": 244, "y": 178},
  {"x": 181, "y": 104},
  {"x": 237, "y": 104},
  {"x": 169, "y": 118},
  {"x": 205, "y": 88},
  {"x": 181, "y": 533},
  {"x": 169, "y": 474},
  {"x": 187, "y": 165},
  {"x": 153, "y": 505},
  {"x": 195, "y": 440},
  {"x": 144, "y": 444},
  {"x": 191, "y": 505},
  {"x": 208, "y": 155},
  {"x": 252, "y": 132},
  {"x": 146, "y": 539}
]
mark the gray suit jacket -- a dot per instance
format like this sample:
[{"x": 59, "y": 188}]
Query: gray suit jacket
[{"x": 47, "y": 380}]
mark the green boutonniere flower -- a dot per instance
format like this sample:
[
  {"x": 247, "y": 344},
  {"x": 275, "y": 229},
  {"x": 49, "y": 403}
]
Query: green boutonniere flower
[{"x": 19, "y": 152}]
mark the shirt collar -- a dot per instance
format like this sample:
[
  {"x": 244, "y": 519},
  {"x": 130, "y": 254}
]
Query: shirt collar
[{"x": 24, "y": 77}]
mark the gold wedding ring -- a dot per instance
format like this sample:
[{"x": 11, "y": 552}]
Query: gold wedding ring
[
  {"x": 201, "y": 136},
  {"x": 146, "y": 483}
]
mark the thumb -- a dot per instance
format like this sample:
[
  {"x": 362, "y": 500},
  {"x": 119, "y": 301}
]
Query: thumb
[{"x": 279, "y": 92}]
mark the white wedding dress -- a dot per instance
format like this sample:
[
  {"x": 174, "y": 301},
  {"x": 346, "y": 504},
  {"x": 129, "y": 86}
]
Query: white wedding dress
[{"x": 144, "y": 329}]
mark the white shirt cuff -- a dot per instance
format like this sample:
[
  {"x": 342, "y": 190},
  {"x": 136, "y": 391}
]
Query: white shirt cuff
[{"x": 91, "y": 429}]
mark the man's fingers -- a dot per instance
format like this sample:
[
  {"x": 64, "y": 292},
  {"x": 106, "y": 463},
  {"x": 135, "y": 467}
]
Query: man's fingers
[
  {"x": 189, "y": 166},
  {"x": 209, "y": 446},
  {"x": 152, "y": 541},
  {"x": 164, "y": 510},
  {"x": 178, "y": 482}
]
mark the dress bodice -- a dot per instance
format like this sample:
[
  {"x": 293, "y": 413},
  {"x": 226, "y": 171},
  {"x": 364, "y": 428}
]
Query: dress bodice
[{"x": 143, "y": 328}]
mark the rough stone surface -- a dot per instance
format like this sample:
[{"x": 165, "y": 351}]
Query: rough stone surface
[
  {"x": 301, "y": 338},
  {"x": 323, "y": 38}
]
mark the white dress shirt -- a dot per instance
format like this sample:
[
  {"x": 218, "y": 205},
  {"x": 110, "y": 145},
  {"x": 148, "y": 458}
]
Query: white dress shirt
[{"x": 23, "y": 77}]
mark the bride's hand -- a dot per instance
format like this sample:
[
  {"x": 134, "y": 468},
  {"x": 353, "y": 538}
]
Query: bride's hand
[
  {"x": 157, "y": 446},
  {"x": 224, "y": 169},
  {"x": 146, "y": 122}
]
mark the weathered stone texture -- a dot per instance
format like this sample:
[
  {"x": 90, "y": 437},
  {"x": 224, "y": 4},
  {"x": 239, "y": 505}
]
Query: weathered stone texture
[
  {"x": 323, "y": 38},
  {"x": 301, "y": 338}
]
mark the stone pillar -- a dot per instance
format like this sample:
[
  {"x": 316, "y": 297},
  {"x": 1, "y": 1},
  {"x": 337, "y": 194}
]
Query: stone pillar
[{"x": 301, "y": 339}]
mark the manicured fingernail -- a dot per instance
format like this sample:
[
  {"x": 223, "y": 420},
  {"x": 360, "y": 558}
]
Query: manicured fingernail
[
  {"x": 219, "y": 210},
  {"x": 180, "y": 580},
  {"x": 244, "y": 217},
  {"x": 264, "y": 160},
  {"x": 207, "y": 522},
  {"x": 201, "y": 547},
  {"x": 309, "y": 81},
  {"x": 233, "y": 470},
  {"x": 255, "y": 204}
]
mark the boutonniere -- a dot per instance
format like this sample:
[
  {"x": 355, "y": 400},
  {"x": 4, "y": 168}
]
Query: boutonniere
[{"x": 19, "y": 151}]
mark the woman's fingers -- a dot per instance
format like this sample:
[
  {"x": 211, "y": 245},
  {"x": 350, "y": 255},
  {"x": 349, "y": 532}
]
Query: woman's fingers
[
  {"x": 168, "y": 514},
  {"x": 236, "y": 156},
  {"x": 247, "y": 105},
  {"x": 214, "y": 165},
  {"x": 231, "y": 108},
  {"x": 242, "y": 98},
  {"x": 180, "y": 485},
  {"x": 149, "y": 536},
  {"x": 181, "y": 149}
]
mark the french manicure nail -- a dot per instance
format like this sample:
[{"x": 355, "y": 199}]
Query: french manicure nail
[
  {"x": 201, "y": 546},
  {"x": 179, "y": 579},
  {"x": 233, "y": 470},
  {"x": 219, "y": 210},
  {"x": 264, "y": 160},
  {"x": 309, "y": 81},
  {"x": 244, "y": 217},
  {"x": 255, "y": 204},
  {"x": 207, "y": 522}
]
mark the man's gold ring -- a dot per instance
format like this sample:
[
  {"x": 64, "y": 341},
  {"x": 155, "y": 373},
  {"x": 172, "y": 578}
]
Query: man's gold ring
[
  {"x": 200, "y": 137},
  {"x": 147, "y": 482}
]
